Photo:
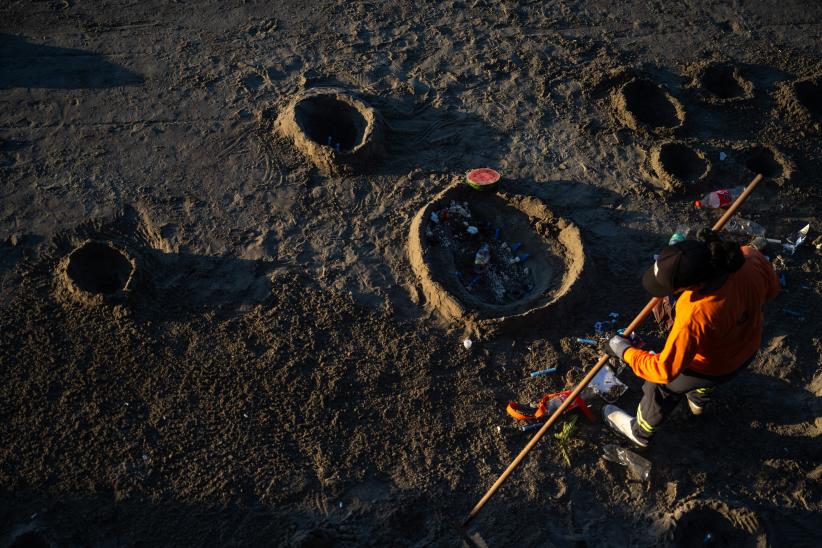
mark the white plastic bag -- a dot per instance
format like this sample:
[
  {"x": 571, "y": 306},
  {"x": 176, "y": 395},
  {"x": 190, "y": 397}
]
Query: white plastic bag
[{"x": 606, "y": 385}]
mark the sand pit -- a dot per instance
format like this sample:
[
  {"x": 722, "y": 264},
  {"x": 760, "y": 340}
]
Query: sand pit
[
  {"x": 333, "y": 129},
  {"x": 722, "y": 83},
  {"x": 768, "y": 161},
  {"x": 679, "y": 165},
  {"x": 713, "y": 523},
  {"x": 514, "y": 288},
  {"x": 802, "y": 100},
  {"x": 645, "y": 105},
  {"x": 97, "y": 272},
  {"x": 809, "y": 95}
]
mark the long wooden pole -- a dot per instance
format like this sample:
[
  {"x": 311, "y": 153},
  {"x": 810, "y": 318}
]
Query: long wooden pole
[{"x": 603, "y": 359}]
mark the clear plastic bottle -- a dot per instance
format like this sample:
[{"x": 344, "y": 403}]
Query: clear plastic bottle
[
  {"x": 738, "y": 225},
  {"x": 720, "y": 198},
  {"x": 639, "y": 467}
]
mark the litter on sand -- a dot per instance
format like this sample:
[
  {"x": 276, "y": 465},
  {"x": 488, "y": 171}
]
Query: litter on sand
[
  {"x": 543, "y": 372},
  {"x": 797, "y": 239}
]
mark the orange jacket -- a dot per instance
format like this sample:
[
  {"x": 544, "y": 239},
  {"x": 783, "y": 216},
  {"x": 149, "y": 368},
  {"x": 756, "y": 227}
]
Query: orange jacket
[{"x": 714, "y": 333}]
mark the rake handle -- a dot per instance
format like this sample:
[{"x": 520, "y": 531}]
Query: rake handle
[{"x": 603, "y": 359}]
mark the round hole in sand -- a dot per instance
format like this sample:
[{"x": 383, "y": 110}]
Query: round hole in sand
[
  {"x": 700, "y": 523},
  {"x": 534, "y": 259},
  {"x": 724, "y": 82},
  {"x": 809, "y": 95},
  {"x": 32, "y": 539},
  {"x": 99, "y": 268},
  {"x": 679, "y": 164},
  {"x": 333, "y": 129},
  {"x": 763, "y": 160},
  {"x": 643, "y": 103},
  {"x": 331, "y": 122}
]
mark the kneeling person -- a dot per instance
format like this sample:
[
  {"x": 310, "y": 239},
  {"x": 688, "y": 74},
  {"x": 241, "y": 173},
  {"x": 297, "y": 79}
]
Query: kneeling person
[{"x": 717, "y": 328}]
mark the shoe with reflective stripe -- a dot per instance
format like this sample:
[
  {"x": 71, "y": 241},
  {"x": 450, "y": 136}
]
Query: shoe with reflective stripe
[
  {"x": 622, "y": 422},
  {"x": 695, "y": 409}
]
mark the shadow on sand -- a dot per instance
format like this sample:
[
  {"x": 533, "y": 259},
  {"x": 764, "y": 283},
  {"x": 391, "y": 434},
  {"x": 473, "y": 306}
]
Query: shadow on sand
[{"x": 27, "y": 65}]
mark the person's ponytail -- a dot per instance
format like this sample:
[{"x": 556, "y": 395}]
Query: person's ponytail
[{"x": 726, "y": 257}]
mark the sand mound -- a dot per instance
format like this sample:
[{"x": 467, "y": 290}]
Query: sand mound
[
  {"x": 679, "y": 165},
  {"x": 333, "y": 129},
  {"x": 645, "y": 105},
  {"x": 509, "y": 292},
  {"x": 96, "y": 272},
  {"x": 713, "y": 523}
]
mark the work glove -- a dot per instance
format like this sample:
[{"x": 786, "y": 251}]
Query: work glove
[{"x": 617, "y": 346}]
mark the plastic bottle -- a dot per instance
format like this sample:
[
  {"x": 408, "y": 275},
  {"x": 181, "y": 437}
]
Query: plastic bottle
[
  {"x": 720, "y": 198},
  {"x": 639, "y": 467},
  {"x": 738, "y": 225}
]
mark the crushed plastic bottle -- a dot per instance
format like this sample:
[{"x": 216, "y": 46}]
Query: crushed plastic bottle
[
  {"x": 638, "y": 467},
  {"x": 738, "y": 225},
  {"x": 720, "y": 198}
]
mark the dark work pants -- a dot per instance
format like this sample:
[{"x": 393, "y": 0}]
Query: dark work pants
[{"x": 658, "y": 400}]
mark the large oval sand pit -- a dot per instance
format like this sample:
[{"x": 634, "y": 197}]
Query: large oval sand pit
[
  {"x": 494, "y": 261},
  {"x": 721, "y": 83},
  {"x": 699, "y": 523},
  {"x": 679, "y": 165},
  {"x": 97, "y": 272},
  {"x": 333, "y": 129},
  {"x": 643, "y": 104}
]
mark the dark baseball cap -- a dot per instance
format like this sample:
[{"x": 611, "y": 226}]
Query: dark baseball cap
[{"x": 683, "y": 264}]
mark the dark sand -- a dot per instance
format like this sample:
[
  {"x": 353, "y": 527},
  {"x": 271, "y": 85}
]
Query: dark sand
[{"x": 271, "y": 373}]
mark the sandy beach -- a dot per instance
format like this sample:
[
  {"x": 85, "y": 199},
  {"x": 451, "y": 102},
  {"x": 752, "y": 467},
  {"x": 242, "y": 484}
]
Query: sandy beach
[{"x": 228, "y": 317}]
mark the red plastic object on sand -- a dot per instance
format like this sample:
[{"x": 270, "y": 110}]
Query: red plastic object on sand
[
  {"x": 719, "y": 198},
  {"x": 545, "y": 407},
  {"x": 483, "y": 178}
]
